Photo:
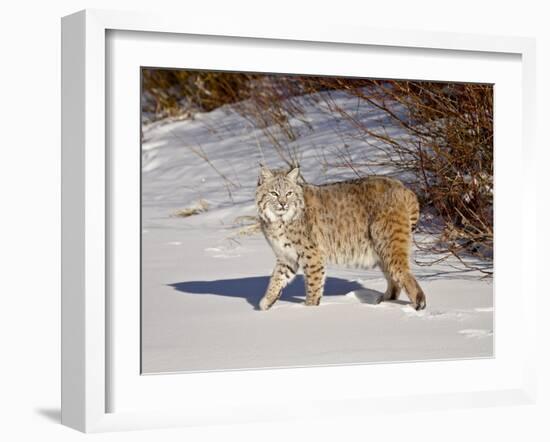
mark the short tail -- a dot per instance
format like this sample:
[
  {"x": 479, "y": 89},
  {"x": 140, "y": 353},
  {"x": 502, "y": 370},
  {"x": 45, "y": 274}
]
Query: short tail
[{"x": 414, "y": 210}]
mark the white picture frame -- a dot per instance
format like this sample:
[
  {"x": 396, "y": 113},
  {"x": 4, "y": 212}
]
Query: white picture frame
[{"x": 87, "y": 356}]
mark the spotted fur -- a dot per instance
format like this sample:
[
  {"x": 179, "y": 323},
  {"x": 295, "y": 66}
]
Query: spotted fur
[{"x": 361, "y": 223}]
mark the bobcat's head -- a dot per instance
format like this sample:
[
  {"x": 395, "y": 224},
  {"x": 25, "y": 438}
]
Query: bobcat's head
[{"x": 279, "y": 196}]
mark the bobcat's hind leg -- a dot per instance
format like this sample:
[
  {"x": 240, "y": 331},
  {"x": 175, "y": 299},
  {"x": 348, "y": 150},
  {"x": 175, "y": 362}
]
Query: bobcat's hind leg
[
  {"x": 281, "y": 276},
  {"x": 415, "y": 293},
  {"x": 399, "y": 272},
  {"x": 392, "y": 239},
  {"x": 393, "y": 290}
]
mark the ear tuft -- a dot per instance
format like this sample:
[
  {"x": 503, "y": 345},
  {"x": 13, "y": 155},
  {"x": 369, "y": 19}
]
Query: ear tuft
[
  {"x": 265, "y": 174},
  {"x": 293, "y": 174}
]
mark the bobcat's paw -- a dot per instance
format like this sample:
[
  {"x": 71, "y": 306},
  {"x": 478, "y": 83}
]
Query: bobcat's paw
[
  {"x": 388, "y": 295},
  {"x": 420, "y": 302},
  {"x": 312, "y": 302},
  {"x": 265, "y": 304}
]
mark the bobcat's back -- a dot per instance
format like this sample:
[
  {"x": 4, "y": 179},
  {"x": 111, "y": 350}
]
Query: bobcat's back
[{"x": 351, "y": 220}]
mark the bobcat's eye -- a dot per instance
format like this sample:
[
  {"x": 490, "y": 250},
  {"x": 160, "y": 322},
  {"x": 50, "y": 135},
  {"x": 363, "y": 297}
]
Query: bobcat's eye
[
  {"x": 289, "y": 193},
  {"x": 274, "y": 193}
]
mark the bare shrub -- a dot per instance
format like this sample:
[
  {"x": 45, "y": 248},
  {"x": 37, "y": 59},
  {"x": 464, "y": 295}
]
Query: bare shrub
[
  {"x": 446, "y": 143},
  {"x": 173, "y": 92}
]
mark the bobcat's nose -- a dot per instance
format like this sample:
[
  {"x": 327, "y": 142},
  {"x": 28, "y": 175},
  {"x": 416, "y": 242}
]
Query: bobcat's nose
[{"x": 283, "y": 206}]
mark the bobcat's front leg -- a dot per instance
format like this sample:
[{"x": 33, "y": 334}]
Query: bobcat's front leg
[
  {"x": 282, "y": 275},
  {"x": 315, "y": 273}
]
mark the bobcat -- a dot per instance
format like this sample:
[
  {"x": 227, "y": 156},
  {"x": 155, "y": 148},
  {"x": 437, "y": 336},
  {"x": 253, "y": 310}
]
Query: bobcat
[{"x": 362, "y": 223}]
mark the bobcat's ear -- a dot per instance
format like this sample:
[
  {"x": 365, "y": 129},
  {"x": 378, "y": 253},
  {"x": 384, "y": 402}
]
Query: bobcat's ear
[
  {"x": 265, "y": 174},
  {"x": 293, "y": 174}
]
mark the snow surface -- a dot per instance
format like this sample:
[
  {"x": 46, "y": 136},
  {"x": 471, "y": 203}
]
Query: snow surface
[{"x": 202, "y": 281}]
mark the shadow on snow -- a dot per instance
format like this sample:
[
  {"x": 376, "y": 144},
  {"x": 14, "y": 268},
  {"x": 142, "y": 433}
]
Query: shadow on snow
[{"x": 253, "y": 288}]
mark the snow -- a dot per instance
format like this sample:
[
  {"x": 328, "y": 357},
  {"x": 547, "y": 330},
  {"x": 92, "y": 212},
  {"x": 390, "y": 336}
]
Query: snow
[{"x": 202, "y": 280}]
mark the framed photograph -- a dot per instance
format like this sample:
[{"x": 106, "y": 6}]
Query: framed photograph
[{"x": 250, "y": 213}]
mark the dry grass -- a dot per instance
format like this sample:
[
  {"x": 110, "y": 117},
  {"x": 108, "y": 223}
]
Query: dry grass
[
  {"x": 202, "y": 206},
  {"x": 247, "y": 225},
  {"x": 173, "y": 92}
]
